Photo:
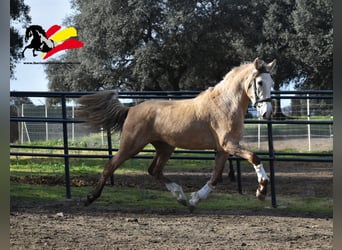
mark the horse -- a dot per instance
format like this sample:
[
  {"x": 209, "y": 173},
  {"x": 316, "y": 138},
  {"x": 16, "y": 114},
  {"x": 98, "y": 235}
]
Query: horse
[
  {"x": 214, "y": 119},
  {"x": 39, "y": 42}
]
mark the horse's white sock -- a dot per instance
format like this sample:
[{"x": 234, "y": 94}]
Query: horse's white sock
[
  {"x": 260, "y": 171},
  {"x": 176, "y": 190},
  {"x": 205, "y": 191},
  {"x": 201, "y": 194}
]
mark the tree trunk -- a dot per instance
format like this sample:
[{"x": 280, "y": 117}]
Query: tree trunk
[{"x": 277, "y": 113}]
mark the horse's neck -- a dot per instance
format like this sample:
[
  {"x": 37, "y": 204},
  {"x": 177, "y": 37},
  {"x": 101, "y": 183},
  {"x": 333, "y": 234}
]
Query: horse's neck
[{"x": 231, "y": 95}]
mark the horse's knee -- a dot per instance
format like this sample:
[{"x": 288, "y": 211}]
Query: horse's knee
[{"x": 254, "y": 159}]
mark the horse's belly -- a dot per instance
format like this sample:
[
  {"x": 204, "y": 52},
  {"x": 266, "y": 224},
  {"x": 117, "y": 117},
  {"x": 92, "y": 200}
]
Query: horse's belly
[
  {"x": 194, "y": 144},
  {"x": 192, "y": 137}
]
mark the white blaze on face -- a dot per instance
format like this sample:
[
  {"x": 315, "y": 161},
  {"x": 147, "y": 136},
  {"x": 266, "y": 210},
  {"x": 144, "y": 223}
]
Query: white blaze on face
[{"x": 264, "y": 84}]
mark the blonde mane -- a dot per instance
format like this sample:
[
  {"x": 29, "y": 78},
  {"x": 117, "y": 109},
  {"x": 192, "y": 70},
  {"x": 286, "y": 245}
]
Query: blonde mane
[
  {"x": 244, "y": 71},
  {"x": 235, "y": 82}
]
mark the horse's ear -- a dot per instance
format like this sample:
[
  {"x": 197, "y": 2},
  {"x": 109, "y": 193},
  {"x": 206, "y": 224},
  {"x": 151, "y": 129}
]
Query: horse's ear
[
  {"x": 258, "y": 63},
  {"x": 271, "y": 65}
]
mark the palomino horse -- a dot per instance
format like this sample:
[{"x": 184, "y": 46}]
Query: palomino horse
[{"x": 212, "y": 120}]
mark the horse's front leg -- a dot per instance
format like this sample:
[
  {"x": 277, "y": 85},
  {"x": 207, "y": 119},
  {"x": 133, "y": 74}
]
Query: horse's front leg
[
  {"x": 203, "y": 193},
  {"x": 252, "y": 158}
]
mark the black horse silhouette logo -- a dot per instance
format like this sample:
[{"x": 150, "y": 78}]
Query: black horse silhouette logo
[{"x": 39, "y": 42}]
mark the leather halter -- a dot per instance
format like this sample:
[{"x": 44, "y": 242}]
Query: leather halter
[{"x": 257, "y": 100}]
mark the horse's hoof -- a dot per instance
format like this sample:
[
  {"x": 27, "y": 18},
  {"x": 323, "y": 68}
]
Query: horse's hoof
[
  {"x": 260, "y": 195},
  {"x": 193, "y": 201},
  {"x": 262, "y": 190},
  {"x": 183, "y": 202},
  {"x": 86, "y": 203},
  {"x": 88, "y": 200},
  {"x": 191, "y": 208}
]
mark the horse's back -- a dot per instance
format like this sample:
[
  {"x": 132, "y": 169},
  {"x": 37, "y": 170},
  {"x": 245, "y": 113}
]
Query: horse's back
[{"x": 181, "y": 123}]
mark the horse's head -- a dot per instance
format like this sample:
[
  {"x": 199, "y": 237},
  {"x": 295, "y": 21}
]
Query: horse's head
[{"x": 259, "y": 88}]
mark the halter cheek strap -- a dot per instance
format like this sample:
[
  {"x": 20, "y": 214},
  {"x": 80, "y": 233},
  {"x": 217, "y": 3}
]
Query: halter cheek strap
[{"x": 257, "y": 99}]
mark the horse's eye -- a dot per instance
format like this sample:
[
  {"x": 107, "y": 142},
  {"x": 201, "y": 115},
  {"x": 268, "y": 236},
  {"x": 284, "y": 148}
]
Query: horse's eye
[{"x": 260, "y": 83}]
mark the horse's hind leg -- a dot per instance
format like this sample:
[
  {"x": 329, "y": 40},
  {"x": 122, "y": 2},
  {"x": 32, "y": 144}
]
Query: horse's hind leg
[
  {"x": 163, "y": 153},
  {"x": 108, "y": 170},
  {"x": 125, "y": 152}
]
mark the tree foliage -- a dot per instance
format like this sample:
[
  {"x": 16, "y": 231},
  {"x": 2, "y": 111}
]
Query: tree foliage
[
  {"x": 313, "y": 40},
  {"x": 19, "y": 14},
  {"x": 173, "y": 45}
]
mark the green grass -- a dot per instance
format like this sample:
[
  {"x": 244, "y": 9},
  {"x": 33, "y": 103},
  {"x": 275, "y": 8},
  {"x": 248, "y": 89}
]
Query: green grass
[
  {"x": 125, "y": 197},
  {"x": 51, "y": 166},
  {"x": 41, "y": 166},
  {"x": 132, "y": 197}
]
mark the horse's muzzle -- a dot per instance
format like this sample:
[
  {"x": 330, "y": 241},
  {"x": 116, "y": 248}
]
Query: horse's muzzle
[{"x": 264, "y": 109}]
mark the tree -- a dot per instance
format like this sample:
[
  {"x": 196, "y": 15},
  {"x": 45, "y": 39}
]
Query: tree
[
  {"x": 19, "y": 14},
  {"x": 173, "y": 45},
  {"x": 313, "y": 25},
  {"x": 159, "y": 45},
  {"x": 299, "y": 35},
  {"x": 275, "y": 43}
]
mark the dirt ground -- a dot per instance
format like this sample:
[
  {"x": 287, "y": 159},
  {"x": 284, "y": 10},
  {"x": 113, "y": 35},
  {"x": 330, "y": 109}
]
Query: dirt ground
[{"x": 70, "y": 225}]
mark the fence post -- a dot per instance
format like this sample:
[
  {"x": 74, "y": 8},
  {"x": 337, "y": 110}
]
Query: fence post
[
  {"x": 22, "y": 125},
  {"x": 271, "y": 161},
  {"x": 308, "y": 116},
  {"x": 238, "y": 170},
  {"x": 110, "y": 152},
  {"x": 73, "y": 124},
  {"x": 66, "y": 148},
  {"x": 46, "y": 123}
]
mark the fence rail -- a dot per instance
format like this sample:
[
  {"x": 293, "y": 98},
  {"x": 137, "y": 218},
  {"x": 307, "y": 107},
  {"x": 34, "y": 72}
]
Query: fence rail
[{"x": 270, "y": 156}]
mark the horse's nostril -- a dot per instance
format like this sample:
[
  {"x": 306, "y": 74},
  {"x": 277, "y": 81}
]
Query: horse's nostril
[{"x": 266, "y": 115}]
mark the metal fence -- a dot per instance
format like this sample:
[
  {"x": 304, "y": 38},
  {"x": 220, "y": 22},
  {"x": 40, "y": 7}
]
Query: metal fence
[{"x": 309, "y": 119}]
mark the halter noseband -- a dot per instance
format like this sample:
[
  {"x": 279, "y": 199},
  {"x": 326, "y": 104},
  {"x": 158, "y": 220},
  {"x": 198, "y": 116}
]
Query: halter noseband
[{"x": 257, "y": 100}]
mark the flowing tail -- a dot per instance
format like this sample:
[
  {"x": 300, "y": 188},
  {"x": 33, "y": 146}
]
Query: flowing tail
[{"x": 103, "y": 109}]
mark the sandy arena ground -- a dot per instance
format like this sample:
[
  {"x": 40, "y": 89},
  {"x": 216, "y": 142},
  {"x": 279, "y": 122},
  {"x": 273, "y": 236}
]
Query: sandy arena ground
[{"x": 70, "y": 225}]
